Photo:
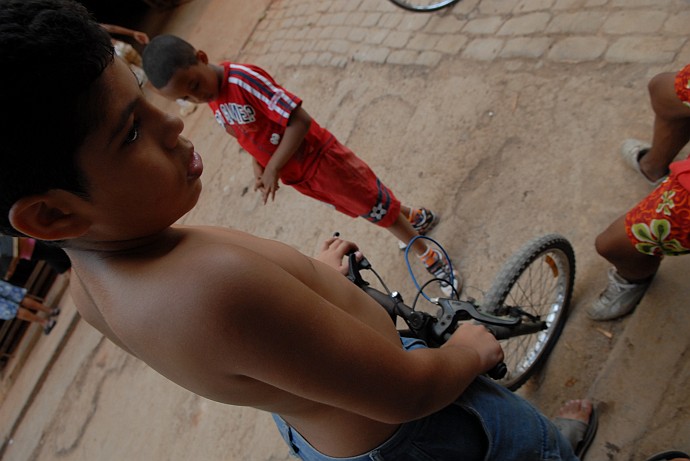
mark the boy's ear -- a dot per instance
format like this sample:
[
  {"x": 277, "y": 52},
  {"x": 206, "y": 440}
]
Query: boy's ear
[
  {"x": 50, "y": 216},
  {"x": 202, "y": 56}
]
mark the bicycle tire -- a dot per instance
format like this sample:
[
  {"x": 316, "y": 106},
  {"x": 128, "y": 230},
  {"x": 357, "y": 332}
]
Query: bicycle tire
[
  {"x": 422, "y": 6},
  {"x": 538, "y": 279}
]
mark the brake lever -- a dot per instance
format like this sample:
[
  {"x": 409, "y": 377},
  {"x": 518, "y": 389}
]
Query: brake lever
[{"x": 354, "y": 268}]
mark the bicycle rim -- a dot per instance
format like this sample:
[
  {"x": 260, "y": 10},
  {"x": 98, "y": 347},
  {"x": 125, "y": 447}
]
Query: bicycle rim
[
  {"x": 539, "y": 280},
  {"x": 424, "y": 5}
]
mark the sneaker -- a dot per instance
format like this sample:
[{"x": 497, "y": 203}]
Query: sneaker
[
  {"x": 422, "y": 220},
  {"x": 618, "y": 299},
  {"x": 632, "y": 151},
  {"x": 49, "y": 327},
  {"x": 439, "y": 267}
]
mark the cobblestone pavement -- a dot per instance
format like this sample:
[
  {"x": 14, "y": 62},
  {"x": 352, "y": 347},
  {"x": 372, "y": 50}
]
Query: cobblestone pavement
[
  {"x": 505, "y": 116},
  {"x": 334, "y": 32}
]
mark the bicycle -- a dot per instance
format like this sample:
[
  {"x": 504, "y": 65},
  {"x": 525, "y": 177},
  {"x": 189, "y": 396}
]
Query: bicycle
[
  {"x": 526, "y": 307},
  {"x": 424, "y": 6}
]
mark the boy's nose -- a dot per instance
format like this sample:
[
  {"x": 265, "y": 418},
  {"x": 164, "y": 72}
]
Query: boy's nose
[{"x": 174, "y": 126}]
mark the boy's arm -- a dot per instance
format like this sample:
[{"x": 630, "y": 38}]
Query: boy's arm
[
  {"x": 297, "y": 128},
  {"x": 258, "y": 172},
  {"x": 294, "y": 339},
  {"x": 139, "y": 36}
]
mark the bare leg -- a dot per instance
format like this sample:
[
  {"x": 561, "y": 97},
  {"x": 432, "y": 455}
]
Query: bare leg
[
  {"x": 31, "y": 303},
  {"x": 403, "y": 231},
  {"x": 614, "y": 245},
  {"x": 27, "y": 315},
  {"x": 671, "y": 126}
]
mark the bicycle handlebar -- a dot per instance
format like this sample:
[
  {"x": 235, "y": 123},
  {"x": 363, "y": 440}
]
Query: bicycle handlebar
[{"x": 434, "y": 330}]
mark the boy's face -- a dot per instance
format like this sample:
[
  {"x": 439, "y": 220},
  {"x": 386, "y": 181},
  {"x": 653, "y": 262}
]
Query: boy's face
[
  {"x": 142, "y": 175},
  {"x": 199, "y": 83}
]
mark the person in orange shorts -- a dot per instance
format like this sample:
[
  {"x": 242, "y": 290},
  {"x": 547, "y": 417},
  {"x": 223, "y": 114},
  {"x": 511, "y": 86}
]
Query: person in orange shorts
[{"x": 659, "y": 225}]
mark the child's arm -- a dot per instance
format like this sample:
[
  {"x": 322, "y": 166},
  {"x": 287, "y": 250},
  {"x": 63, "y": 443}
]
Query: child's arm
[
  {"x": 297, "y": 128},
  {"x": 258, "y": 172},
  {"x": 140, "y": 37}
]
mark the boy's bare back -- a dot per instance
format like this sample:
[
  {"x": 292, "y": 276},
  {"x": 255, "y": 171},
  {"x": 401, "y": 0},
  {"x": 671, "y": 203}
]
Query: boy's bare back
[{"x": 224, "y": 313}]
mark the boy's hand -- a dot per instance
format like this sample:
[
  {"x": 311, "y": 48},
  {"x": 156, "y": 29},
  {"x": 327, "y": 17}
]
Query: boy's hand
[
  {"x": 267, "y": 183},
  {"x": 477, "y": 337},
  {"x": 333, "y": 252}
]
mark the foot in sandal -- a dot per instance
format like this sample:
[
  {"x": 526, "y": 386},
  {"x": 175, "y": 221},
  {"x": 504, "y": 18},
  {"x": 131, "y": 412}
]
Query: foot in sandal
[{"x": 577, "y": 420}]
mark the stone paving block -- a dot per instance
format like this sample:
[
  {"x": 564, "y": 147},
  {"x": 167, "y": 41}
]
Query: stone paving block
[
  {"x": 322, "y": 6},
  {"x": 349, "y": 5},
  {"x": 324, "y": 59},
  {"x": 525, "y": 25},
  {"x": 682, "y": 58},
  {"x": 390, "y": 20},
  {"x": 644, "y": 49},
  {"x": 577, "y": 49},
  {"x": 339, "y": 61},
  {"x": 528, "y": 6},
  {"x": 301, "y": 10},
  {"x": 525, "y": 47},
  {"x": 489, "y": 7},
  {"x": 339, "y": 46},
  {"x": 464, "y": 7},
  {"x": 355, "y": 18},
  {"x": 483, "y": 49},
  {"x": 488, "y": 25},
  {"x": 414, "y": 22},
  {"x": 371, "y": 19},
  {"x": 579, "y": 23},
  {"x": 594, "y": 3},
  {"x": 451, "y": 44},
  {"x": 402, "y": 57},
  {"x": 678, "y": 23},
  {"x": 422, "y": 41},
  {"x": 429, "y": 58},
  {"x": 357, "y": 34},
  {"x": 376, "y": 37},
  {"x": 341, "y": 32},
  {"x": 371, "y": 54},
  {"x": 634, "y": 22},
  {"x": 293, "y": 59},
  {"x": 397, "y": 39},
  {"x": 445, "y": 25},
  {"x": 309, "y": 58},
  {"x": 568, "y": 4},
  {"x": 633, "y": 3}
]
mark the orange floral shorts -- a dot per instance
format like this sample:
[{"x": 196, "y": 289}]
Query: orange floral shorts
[
  {"x": 683, "y": 85},
  {"x": 660, "y": 224}
]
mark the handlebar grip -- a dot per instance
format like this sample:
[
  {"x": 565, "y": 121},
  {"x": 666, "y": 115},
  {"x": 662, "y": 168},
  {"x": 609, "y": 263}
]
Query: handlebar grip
[{"x": 498, "y": 371}]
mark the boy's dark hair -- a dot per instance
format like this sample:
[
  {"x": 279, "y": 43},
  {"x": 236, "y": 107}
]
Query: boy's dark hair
[
  {"x": 165, "y": 55},
  {"x": 52, "y": 52}
]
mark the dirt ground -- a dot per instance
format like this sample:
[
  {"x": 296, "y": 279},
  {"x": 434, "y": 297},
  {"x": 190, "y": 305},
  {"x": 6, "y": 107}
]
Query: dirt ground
[{"x": 504, "y": 150}]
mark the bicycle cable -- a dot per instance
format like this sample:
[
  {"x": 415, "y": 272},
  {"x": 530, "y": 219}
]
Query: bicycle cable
[{"x": 414, "y": 279}]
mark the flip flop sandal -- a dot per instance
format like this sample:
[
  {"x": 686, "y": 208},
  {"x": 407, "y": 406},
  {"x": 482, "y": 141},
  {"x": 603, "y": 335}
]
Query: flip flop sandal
[
  {"x": 668, "y": 455},
  {"x": 579, "y": 434}
]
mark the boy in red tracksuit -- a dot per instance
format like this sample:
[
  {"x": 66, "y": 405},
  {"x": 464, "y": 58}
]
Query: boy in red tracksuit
[{"x": 286, "y": 143}]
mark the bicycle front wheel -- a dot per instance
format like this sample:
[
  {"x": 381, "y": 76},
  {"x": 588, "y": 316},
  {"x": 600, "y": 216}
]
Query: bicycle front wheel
[
  {"x": 423, "y": 6},
  {"x": 536, "y": 283}
]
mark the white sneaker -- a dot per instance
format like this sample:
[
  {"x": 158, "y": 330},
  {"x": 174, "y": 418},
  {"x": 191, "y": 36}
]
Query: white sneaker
[
  {"x": 632, "y": 151},
  {"x": 618, "y": 299},
  {"x": 441, "y": 269}
]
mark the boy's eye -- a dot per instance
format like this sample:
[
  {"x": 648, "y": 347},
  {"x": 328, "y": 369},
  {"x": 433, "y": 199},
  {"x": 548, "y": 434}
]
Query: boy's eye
[{"x": 133, "y": 133}]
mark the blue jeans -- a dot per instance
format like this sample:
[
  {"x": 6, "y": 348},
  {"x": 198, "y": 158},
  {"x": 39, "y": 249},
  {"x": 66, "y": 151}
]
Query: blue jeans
[{"x": 487, "y": 422}]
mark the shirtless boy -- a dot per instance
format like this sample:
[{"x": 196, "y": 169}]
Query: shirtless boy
[{"x": 231, "y": 317}]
